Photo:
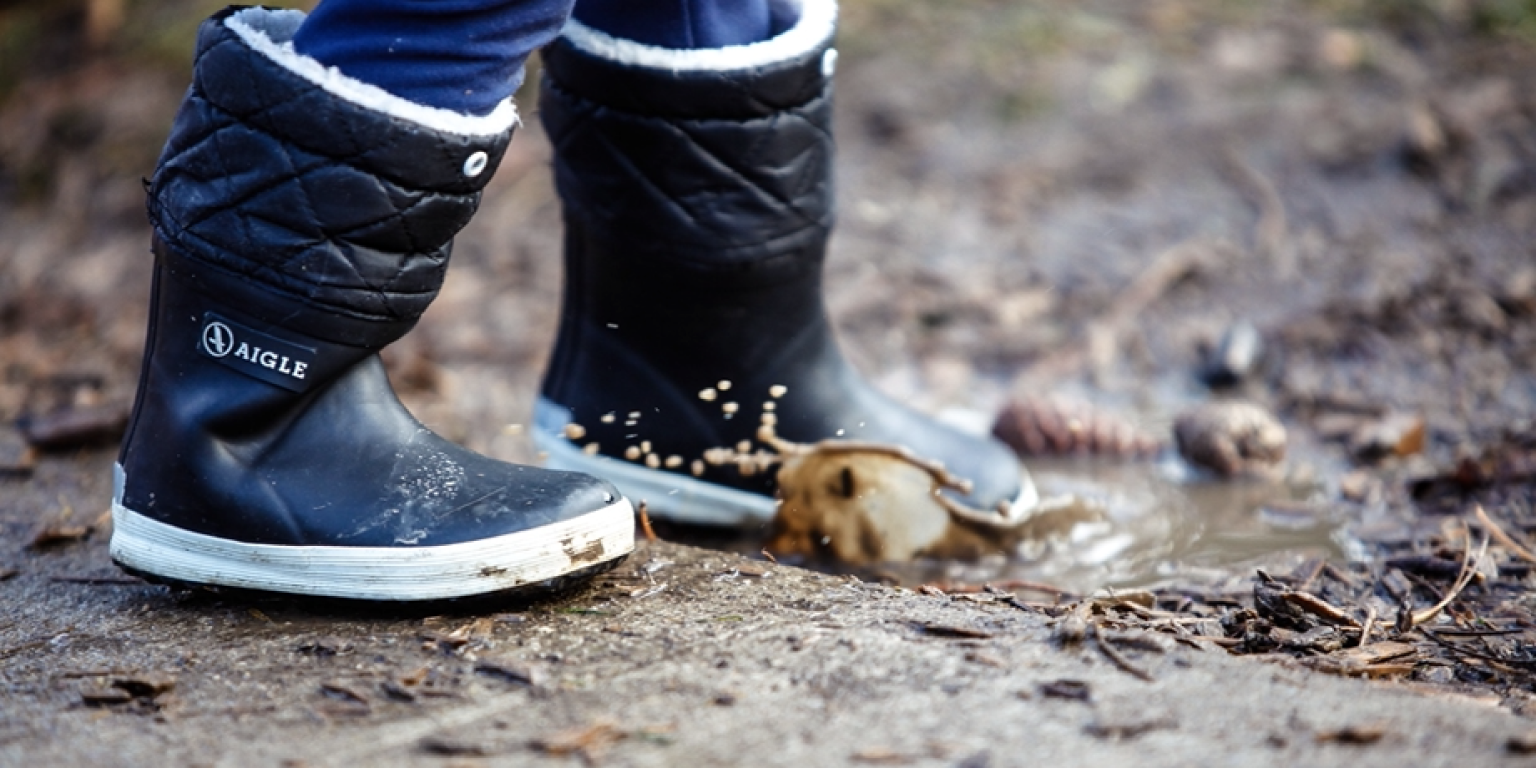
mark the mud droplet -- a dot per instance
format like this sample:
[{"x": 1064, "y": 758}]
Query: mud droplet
[
  {"x": 708, "y": 394},
  {"x": 575, "y": 431},
  {"x": 777, "y": 391}
]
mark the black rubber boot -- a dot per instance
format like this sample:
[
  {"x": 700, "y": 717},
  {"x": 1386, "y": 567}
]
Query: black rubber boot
[
  {"x": 302, "y": 222},
  {"x": 698, "y": 200}
]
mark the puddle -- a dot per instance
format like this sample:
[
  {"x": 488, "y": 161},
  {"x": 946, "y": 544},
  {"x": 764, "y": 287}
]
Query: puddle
[
  {"x": 1130, "y": 524},
  {"x": 1156, "y": 522}
]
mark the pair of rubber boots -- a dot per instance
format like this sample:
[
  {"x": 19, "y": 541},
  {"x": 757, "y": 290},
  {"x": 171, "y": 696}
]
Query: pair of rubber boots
[{"x": 303, "y": 221}]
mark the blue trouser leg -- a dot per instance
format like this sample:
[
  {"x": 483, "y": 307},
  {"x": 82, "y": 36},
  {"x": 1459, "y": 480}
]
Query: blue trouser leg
[
  {"x": 463, "y": 55},
  {"x": 467, "y": 55},
  {"x": 688, "y": 23}
]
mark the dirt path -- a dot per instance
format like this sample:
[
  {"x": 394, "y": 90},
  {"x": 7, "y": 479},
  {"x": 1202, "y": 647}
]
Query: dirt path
[{"x": 682, "y": 656}]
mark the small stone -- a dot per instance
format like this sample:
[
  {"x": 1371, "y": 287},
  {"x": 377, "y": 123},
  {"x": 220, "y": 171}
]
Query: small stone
[
  {"x": 1230, "y": 438},
  {"x": 1523, "y": 744},
  {"x": 1356, "y": 486},
  {"x": 1234, "y": 357}
]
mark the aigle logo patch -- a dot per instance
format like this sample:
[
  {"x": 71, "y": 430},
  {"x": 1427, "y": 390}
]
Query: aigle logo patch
[{"x": 256, "y": 354}]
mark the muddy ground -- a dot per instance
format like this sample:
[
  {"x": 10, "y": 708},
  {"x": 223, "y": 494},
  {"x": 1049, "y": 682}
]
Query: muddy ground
[{"x": 1074, "y": 199}]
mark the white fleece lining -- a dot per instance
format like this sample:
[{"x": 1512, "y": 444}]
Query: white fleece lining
[
  {"x": 271, "y": 33},
  {"x": 818, "y": 21}
]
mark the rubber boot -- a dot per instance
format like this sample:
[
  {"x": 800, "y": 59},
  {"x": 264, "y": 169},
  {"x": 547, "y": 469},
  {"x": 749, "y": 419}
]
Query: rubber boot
[
  {"x": 302, "y": 222},
  {"x": 697, "y": 196}
]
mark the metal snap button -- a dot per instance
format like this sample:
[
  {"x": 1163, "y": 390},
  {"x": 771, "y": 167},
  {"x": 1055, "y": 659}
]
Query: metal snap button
[
  {"x": 475, "y": 164},
  {"x": 829, "y": 62}
]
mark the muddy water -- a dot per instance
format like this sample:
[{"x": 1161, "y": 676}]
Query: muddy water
[
  {"x": 1135, "y": 523},
  {"x": 1155, "y": 521},
  {"x": 1131, "y": 524}
]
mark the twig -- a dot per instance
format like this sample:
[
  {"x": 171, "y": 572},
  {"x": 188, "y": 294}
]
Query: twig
[
  {"x": 1006, "y": 584},
  {"x": 645, "y": 522},
  {"x": 1306, "y": 584},
  {"x": 1435, "y": 636},
  {"x": 1462, "y": 579},
  {"x": 1166, "y": 269},
  {"x": 1269, "y": 234},
  {"x": 1320, "y": 608},
  {"x": 1370, "y": 624},
  {"x": 1498, "y": 534},
  {"x": 1115, "y": 656}
]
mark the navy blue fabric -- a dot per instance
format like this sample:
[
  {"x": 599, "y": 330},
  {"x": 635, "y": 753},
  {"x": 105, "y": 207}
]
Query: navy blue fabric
[
  {"x": 463, "y": 55},
  {"x": 688, "y": 23},
  {"x": 467, "y": 55}
]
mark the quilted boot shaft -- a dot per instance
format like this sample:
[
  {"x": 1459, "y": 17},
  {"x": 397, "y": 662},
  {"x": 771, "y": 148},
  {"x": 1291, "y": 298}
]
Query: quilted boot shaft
[
  {"x": 332, "y": 217},
  {"x": 301, "y": 225},
  {"x": 698, "y": 202}
]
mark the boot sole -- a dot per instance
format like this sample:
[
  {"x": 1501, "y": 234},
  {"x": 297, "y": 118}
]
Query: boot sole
[
  {"x": 677, "y": 497},
  {"x": 511, "y": 562}
]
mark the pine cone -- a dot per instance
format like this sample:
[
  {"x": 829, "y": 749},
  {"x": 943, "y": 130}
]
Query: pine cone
[{"x": 1057, "y": 427}]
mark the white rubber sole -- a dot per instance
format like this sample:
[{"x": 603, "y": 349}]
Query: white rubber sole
[
  {"x": 375, "y": 573},
  {"x": 672, "y": 496}
]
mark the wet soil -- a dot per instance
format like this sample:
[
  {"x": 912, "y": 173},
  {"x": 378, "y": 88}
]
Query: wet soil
[{"x": 1078, "y": 200}]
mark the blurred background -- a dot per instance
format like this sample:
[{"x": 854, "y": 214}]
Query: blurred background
[{"x": 1049, "y": 198}]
